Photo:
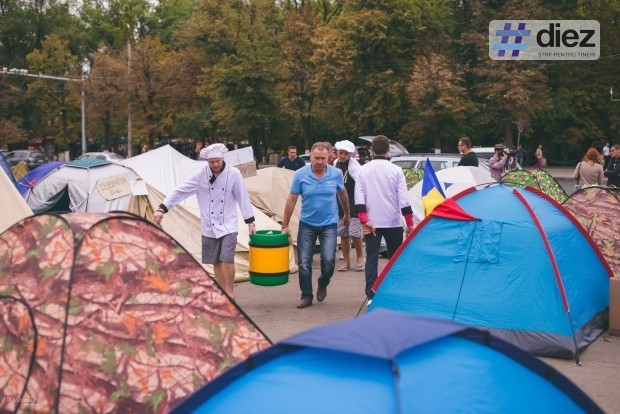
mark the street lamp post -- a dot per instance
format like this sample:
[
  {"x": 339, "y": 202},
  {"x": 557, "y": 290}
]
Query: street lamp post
[{"x": 24, "y": 72}]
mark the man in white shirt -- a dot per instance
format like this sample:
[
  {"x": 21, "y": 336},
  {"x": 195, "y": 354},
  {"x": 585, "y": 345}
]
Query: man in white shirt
[
  {"x": 353, "y": 232},
  {"x": 218, "y": 187},
  {"x": 606, "y": 155},
  {"x": 381, "y": 197}
]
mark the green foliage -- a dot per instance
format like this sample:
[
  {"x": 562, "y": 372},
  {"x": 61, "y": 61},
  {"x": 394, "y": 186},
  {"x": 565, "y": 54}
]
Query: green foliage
[{"x": 299, "y": 71}]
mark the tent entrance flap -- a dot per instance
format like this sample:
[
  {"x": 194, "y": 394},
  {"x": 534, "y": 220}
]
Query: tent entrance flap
[{"x": 479, "y": 242}]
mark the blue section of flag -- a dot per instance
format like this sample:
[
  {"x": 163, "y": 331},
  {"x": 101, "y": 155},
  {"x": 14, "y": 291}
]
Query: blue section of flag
[{"x": 430, "y": 180}]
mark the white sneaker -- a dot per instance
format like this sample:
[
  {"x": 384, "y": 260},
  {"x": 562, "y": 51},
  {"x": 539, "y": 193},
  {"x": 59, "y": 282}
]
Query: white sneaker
[
  {"x": 369, "y": 302},
  {"x": 341, "y": 256}
]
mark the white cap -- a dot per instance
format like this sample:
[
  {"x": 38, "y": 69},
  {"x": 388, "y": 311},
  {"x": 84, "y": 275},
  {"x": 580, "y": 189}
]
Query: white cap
[
  {"x": 213, "y": 151},
  {"x": 345, "y": 145}
]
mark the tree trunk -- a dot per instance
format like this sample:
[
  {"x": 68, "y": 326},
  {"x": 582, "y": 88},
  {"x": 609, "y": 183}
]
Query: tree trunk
[{"x": 508, "y": 138}]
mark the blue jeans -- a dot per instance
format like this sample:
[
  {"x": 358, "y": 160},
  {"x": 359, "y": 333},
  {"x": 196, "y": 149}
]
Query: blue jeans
[
  {"x": 393, "y": 238},
  {"x": 306, "y": 239}
]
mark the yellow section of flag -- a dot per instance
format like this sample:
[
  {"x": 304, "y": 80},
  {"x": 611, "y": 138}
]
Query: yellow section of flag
[{"x": 431, "y": 200}]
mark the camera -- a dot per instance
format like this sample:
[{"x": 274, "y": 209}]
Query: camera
[{"x": 510, "y": 151}]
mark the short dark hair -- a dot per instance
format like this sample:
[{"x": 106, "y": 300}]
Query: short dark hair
[
  {"x": 465, "y": 141},
  {"x": 293, "y": 147},
  {"x": 380, "y": 145}
]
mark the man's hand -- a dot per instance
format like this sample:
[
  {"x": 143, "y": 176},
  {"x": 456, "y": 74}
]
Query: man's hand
[
  {"x": 251, "y": 228},
  {"x": 408, "y": 230},
  {"x": 346, "y": 219},
  {"x": 158, "y": 216},
  {"x": 368, "y": 228}
]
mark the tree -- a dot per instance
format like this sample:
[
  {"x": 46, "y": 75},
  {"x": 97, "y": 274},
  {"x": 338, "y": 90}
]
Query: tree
[
  {"x": 298, "y": 86},
  {"x": 58, "y": 100},
  {"x": 439, "y": 100},
  {"x": 507, "y": 91},
  {"x": 156, "y": 86},
  {"x": 242, "y": 68},
  {"x": 106, "y": 96},
  {"x": 365, "y": 57}
]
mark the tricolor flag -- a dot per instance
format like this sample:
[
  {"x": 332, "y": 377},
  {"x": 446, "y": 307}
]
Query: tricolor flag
[{"x": 432, "y": 193}]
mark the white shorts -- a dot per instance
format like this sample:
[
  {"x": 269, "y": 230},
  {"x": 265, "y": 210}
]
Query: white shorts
[{"x": 354, "y": 229}]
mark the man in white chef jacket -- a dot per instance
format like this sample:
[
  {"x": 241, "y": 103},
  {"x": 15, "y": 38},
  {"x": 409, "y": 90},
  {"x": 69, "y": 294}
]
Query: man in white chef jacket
[{"x": 218, "y": 187}]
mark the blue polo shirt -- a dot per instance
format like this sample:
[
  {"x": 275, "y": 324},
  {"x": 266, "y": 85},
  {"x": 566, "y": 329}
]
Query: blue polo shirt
[{"x": 319, "y": 204}]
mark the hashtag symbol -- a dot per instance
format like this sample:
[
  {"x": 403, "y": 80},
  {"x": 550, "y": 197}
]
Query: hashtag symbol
[{"x": 506, "y": 34}]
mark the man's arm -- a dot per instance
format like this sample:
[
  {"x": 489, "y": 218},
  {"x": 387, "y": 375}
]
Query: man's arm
[
  {"x": 291, "y": 200},
  {"x": 613, "y": 172},
  {"x": 343, "y": 198},
  {"x": 188, "y": 188},
  {"x": 300, "y": 163},
  {"x": 405, "y": 204}
]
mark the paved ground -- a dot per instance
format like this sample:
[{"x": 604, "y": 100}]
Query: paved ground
[{"x": 273, "y": 310}]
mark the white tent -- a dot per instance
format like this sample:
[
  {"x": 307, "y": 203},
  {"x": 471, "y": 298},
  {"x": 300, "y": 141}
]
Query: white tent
[
  {"x": 453, "y": 181},
  {"x": 12, "y": 205},
  {"x": 91, "y": 185},
  {"x": 163, "y": 169},
  {"x": 269, "y": 190}
]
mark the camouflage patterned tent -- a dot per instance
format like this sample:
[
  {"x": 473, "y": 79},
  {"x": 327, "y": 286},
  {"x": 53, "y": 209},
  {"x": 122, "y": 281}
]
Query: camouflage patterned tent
[
  {"x": 539, "y": 179},
  {"x": 106, "y": 313},
  {"x": 598, "y": 210},
  {"x": 413, "y": 176}
]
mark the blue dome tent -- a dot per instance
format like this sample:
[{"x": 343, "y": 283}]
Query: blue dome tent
[
  {"x": 33, "y": 176},
  {"x": 524, "y": 268},
  {"x": 390, "y": 362}
]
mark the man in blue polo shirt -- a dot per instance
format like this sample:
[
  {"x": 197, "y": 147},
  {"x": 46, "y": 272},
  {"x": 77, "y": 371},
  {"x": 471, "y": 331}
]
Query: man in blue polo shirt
[{"x": 318, "y": 184}]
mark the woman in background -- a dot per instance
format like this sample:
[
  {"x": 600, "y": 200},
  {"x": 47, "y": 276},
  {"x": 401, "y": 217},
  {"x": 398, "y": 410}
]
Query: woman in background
[
  {"x": 539, "y": 157},
  {"x": 589, "y": 171}
]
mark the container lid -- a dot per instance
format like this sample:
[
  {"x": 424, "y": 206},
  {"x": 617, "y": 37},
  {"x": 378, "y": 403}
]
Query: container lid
[{"x": 268, "y": 238}]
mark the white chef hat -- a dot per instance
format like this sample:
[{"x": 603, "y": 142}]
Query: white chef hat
[
  {"x": 345, "y": 145},
  {"x": 213, "y": 151}
]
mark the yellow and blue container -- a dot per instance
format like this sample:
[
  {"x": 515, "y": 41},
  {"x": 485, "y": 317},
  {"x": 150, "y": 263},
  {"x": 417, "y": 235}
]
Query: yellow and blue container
[{"x": 269, "y": 258}]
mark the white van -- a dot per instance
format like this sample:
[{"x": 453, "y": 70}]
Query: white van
[{"x": 484, "y": 152}]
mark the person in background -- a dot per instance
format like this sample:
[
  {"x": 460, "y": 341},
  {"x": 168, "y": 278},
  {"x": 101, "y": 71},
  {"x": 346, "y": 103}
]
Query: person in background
[
  {"x": 321, "y": 188},
  {"x": 520, "y": 156},
  {"x": 292, "y": 161},
  {"x": 219, "y": 188},
  {"x": 469, "y": 157},
  {"x": 332, "y": 155},
  {"x": 589, "y": 171},
  {"x": 539, "y": 157},
  {"x": 606, "y": 156},
  {"x": 353, "y": 232},
  {"x": 613, "y": 169},
  {"x": 381, "y": 197},
  {"x": 497, "y": 162}
]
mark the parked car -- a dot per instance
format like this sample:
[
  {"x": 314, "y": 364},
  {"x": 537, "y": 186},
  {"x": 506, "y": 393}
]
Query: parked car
[
  {"x": 110, "y": 156},
  {"x": 4, "y": 152},
  {"x": 484, "y": 152},
  {"x": 362, "y": 154},
  {"x": 305, "y": 157},
  {"x": 395, "y": 147},
  {"x": 32, "y": 158},
  {"x": 438, "y": 161}
]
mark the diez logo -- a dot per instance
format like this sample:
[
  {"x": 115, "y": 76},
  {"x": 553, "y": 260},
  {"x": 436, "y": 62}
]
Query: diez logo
[{"x": 544, "y": 40}]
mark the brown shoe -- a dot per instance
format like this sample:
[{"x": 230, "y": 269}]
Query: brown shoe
[
  {"x": 321, "y": 292},
  {"x": 304, "y": 303}
]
